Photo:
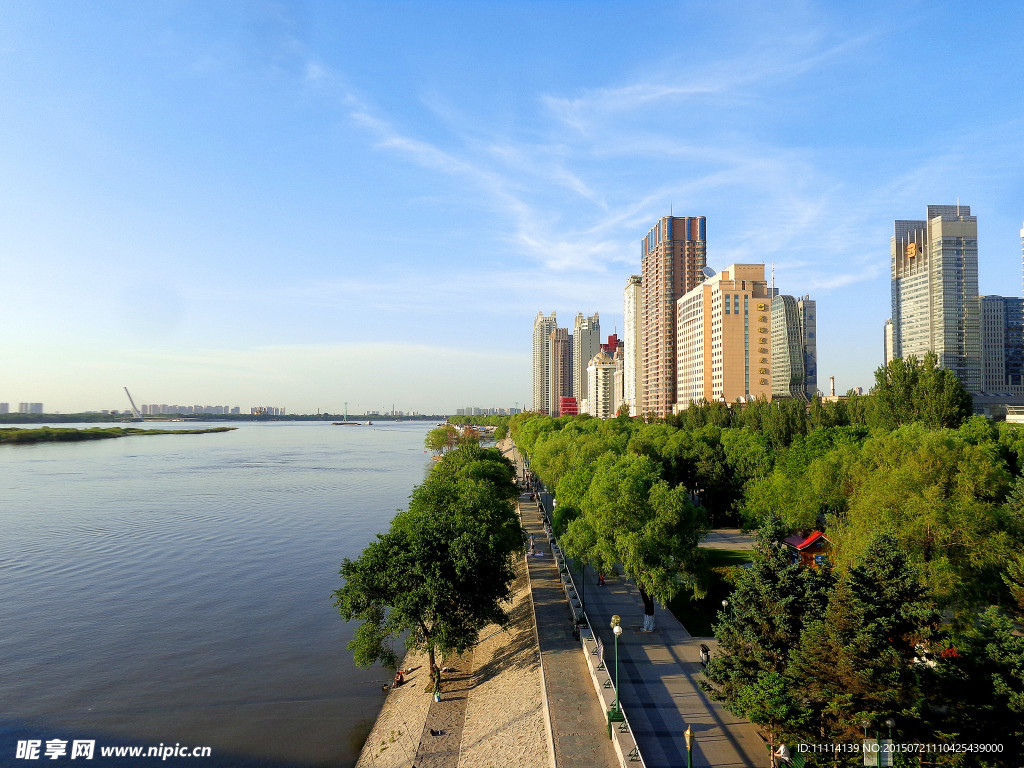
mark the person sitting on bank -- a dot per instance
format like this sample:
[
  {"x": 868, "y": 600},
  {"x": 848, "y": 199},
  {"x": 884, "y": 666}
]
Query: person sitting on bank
[{"x": 399, "y": 678}]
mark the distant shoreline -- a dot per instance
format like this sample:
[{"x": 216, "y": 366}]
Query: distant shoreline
[
  {"x": 121, "y": 418},
  {"x": 19, "y": 436}
]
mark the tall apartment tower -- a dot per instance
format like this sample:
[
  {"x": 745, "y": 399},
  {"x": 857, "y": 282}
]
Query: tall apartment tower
[
  {"x": 632, "y": 383},
  {"x": 1002, "y": 345},
  {"x": 672, "y": 256},
  {"x": 935, "y": 302},
  {"x": 560, "y": 369},
  {"x": 724, "y": 338},
  {"x": 794, "y": 359},
  {"x": 586, "y": 342},
  {"x": 542, "y": 328}
]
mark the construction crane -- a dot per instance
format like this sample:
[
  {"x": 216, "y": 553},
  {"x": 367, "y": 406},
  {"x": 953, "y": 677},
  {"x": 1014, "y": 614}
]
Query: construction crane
[{"x": 135, "y": 411}]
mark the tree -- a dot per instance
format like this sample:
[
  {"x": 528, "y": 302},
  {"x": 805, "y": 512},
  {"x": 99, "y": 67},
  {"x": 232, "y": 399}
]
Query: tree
[
  {"x": 908, "y": 390},
  {"x": 629, "y": 515},
  {"x": 443, "y": 570},
  {"x": 984, "y": 686},
  {"x": 859, "y": 660},
  {"x": 469, "y": 435},
  {"x": 939, "y": 495},
  {"x": 760, "y": 630},
  {"x": 440, "y": 439}
]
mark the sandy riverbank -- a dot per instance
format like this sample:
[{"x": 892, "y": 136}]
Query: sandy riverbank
[
  {"x": 504, "y": 711},
  {"x": 492, "y": 713}
]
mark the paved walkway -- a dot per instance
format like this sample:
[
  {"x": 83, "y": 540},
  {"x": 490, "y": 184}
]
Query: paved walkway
[
  {"x": 728, "y": 538},
  {"x": 578, "y": 725},
  {"x": 659, "y": 687}
]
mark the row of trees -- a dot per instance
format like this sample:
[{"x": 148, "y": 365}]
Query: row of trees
[
  {"x": 953, "y": 498},
  {"x": 444, "y": 569}
]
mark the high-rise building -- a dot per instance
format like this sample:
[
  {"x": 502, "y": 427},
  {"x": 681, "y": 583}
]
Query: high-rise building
[
  {"x": 935, "y": 302},
  {"x": 632, "y": 370},
  {"x": 542, "y": 328},
  {"x": 30, "y": 407},
  {"x": 672, "y": 256},
  {"x": 5, "y": 407},
  {"x": 560, "y": 368},
  {"x": 794, "y": 358},
  {"x": 887, "y": 341},
  {"x": 1002, "y": 345},
  {"x": 619, "y": 358},
  {"x": 586, "y": 341},
  {"x": 601, "y": 386},
  {"x": 724, "y": 340}
]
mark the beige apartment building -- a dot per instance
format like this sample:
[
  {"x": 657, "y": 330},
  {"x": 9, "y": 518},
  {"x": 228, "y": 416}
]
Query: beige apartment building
[
  {"x": 723, "y": 337},
  {"x": 601, "y": 386},
  {"x": 672, "y": 256}
]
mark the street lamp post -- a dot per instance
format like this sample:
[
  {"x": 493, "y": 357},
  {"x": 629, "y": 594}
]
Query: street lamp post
[
  {"x": 688, "y": 735},
  {"x": 617, "y": 630}
]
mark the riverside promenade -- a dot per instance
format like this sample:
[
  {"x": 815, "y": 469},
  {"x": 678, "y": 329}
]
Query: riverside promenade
[
  {"x": 659, "y": 677},
  {"x": 524, "y": 696},
  {"x": 578, "y": 725}
]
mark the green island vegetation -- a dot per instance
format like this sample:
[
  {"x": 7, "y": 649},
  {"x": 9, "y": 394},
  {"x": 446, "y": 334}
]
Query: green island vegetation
[
  {"x": 444, "y": 569},
  {"x": 19, "y": 436},
  {"x": 916, "y": 618}
]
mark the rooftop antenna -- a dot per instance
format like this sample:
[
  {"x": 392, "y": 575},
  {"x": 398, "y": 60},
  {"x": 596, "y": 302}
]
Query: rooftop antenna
[
  {"x": 773, "y": 278},
  {"x": 958, "y": 206}
]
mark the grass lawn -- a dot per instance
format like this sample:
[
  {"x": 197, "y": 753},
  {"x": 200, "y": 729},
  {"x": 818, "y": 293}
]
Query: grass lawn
[{"x": 698, "y": 615}]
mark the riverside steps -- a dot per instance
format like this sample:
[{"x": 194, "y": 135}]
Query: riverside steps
[{"x": 659, "y": 677}]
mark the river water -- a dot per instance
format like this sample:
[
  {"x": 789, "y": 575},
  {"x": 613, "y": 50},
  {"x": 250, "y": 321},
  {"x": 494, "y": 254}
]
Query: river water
[{"x": 177, "y": 589}]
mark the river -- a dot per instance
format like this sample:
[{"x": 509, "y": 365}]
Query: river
[{"x": 162, "y": 590}]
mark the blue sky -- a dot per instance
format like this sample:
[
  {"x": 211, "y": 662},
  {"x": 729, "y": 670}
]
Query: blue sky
[{"x": 303, "y": 204}]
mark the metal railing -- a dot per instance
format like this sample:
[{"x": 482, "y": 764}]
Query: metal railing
[{"x": 630, "y": 755}]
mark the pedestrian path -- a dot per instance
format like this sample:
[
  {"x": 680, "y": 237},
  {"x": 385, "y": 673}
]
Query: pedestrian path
[
  {"x": 578, "y": 726},
  {"x": 441, "y": 737},
  {"x": 659, "y": 674}
]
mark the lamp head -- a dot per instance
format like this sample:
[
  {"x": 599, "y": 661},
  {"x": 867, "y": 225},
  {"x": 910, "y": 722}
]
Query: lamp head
[
  {"x": 615, "y": 620},
  {"x": 688, "y": 735},
  {"x": 617, "y": 630},
  {"x": 889, "y": 722}
]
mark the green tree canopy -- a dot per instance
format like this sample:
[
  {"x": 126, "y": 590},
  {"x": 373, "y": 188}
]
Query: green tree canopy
[
  {"x": 629, "y": 515},
  {"x": 859, "y": 659},
  {"x": 908, "y": 390},
  {"x": 444, "y": 569}
]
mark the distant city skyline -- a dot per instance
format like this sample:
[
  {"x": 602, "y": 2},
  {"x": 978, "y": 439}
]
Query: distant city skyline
[{"x": 313, "y": 203}]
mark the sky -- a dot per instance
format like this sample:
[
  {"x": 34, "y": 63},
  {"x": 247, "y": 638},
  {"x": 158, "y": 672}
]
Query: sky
[{"x": 304, "y": 204}]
